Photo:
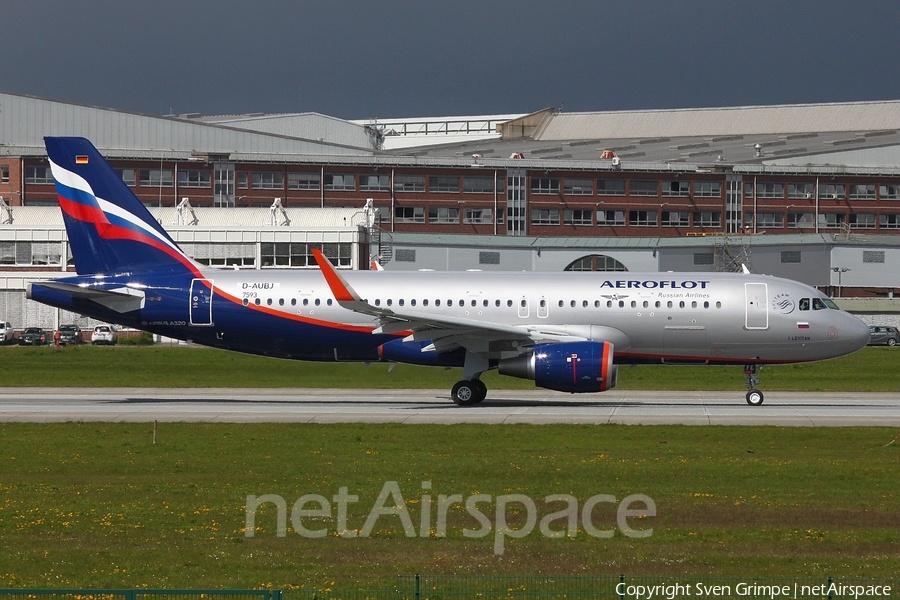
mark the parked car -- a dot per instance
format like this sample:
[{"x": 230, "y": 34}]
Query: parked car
[
  {"x": 883, "y": 336},
  {"x": 104, "y": 334},
  {"x": 6, "y": 332},
  {"x": 33, "y": 336},
  {"x": 69, "y": 334}
]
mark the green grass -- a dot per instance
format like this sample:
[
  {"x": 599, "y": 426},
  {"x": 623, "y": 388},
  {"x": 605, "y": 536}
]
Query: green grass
[
  {"x": 871, "y": 369},
  {"x": 98, "y": 505}
]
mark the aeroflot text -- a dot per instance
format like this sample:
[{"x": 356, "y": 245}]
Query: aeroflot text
[
  {"x": 562, "y": 522},
  {"x": 652, "y": 284},
  {"x": 700, "y": 590}
]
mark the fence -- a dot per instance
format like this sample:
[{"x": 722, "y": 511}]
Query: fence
[{"x": 518, "y": 587}]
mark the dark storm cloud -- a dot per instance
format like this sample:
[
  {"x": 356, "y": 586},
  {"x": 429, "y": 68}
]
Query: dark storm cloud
[{"x": 406, "y": 58}]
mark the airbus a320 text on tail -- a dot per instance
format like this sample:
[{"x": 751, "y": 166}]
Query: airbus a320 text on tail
[{"x": 566, "y": 331}]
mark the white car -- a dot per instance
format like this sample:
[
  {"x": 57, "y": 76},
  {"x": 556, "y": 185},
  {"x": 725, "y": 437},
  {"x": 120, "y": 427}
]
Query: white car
[
  {"x": 104, "y": 334},
  {"x": 6, "y": 332}
]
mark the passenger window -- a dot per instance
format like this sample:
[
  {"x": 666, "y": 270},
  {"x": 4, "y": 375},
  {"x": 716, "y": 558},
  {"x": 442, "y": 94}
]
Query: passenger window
[
  {"x": 657, "y": 305},
  {"x": 509, "y": 303},
  {"x": 269, "y": 301},
  {"x": 306, "y": 302},
  {"x": 572, "y": 303},
  {"x": 561, "y": 303},
  {"x": 474, "y": 302},
  {"x": 484, "y": 303},
  {"x": 718, "y": 305},
  {"x": 706, "y": 305},
  {"x": 543, "y": 303},
  {"x": 437, "y": 302},
  {"x": 318, "y": 301},
  {"x": 293, "y": 302},
  {"x": 400, "y": 301},
  {"x": 245, "y": 302},
  {"x": 377, "y": 302},
  {"x": 621, "y": 304},
  {"x": 609, "y": 304},
  {"x": 425, "y": 302},
  {"x": 584, "y": 304},
  {"x": 497, "y": 303},
  {"x": 389, "y": 302},
  {"x": 281, "y": 302},
  {"x": 462, "y": 302},
  {"x": 804, "y": 303},
  {"x": 256, "y": 302},
  {"x": 669, "y": 304},
  {"x": 412, "y": 302},
  {"x": 646, "y": 304},
  {"x": 694, "y": 304},
  {"x": 524, "y": 302},
  {"x": 328, "y": 302}
]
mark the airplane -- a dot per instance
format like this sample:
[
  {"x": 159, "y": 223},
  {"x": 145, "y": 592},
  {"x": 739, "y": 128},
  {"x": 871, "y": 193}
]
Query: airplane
[{"x": 567, "y": 331}]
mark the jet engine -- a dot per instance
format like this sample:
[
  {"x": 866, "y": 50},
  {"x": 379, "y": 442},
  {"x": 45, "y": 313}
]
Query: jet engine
[{"x": 574, "y": 367}]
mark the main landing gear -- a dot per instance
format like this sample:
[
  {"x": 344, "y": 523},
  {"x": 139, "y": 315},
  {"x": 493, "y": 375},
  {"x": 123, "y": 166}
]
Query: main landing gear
[
  {"x": 468, "y": 392},
  {"x": 471, "y": 390},
  {"x": 754, "y": 396}
]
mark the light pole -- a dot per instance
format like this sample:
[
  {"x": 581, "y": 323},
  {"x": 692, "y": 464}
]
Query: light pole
[{"x": 840, "y": 271}]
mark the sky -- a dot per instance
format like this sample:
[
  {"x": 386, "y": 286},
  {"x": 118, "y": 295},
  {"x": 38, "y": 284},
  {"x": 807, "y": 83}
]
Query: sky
[{"x": 399, "y": 58}]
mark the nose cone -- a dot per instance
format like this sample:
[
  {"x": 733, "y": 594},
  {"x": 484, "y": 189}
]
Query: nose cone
[{"x": 854, "y": 333}]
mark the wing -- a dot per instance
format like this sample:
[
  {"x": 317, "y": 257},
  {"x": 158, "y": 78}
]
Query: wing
[{"x": 445, "y": 333}]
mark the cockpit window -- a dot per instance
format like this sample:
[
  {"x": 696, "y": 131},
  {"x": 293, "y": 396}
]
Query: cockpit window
[
  {"x": 823, "y": 303},
  {"x": 804, "y": 303}
]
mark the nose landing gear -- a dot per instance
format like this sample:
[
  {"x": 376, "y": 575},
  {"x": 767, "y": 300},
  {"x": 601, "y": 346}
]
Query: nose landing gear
[{"x": 754, "y": 396}]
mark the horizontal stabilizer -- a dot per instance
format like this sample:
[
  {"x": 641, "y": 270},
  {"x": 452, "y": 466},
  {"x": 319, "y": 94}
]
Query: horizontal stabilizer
[{"x": 121, "y": 299}]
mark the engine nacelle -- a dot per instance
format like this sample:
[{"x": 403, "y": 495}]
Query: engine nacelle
[
  {"x": 566, "y": 367},
  {"x": 411, "y": 353}
]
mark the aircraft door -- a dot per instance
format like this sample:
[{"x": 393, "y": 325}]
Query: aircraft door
[
  {"x": 757, "y": 306},
  {"x": 201, "y": 302}
]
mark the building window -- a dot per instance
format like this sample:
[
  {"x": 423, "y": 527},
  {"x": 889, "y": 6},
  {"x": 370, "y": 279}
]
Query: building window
[
  {"x": 545, "y": 185},
  {"x": 340, "y": 181},
  {"x": 4, "y": 173},
  {"x": 862, "y": 191},
  {"x": 267, "y": 180},
  {"x": 704, "y": 258},
  {"x": 707, "y": 218},
  {"x": 676, "y": 188},
  {"x": 595, "y": 262},
  {"x": 221, "y": 255},
  {"x": 38, "y": 175},
  {"x": 477, "y": 216},
  {"x": 409, "y": 214},
  {"x": 443, "y": 214},
  {"x": 405, "y": 255},
  {"x": 375, "y": 183},
  {"x": 832, "y": 191},
  {"x": 128, "y": 176},
  {"x": 642, "y": 218},
  {"x": 409, "y": 183},
  {"x": 545, "y": 216},
  {"x": 299, "y": 254},
  {"x": 862, "y": 220},
  {"x": 801, "y": 190},
  {"x": 578, "y": 216},
  {"x": 708, "y": 189},
  {"x": 768, "y": 189},
  {"x": 889, "y": 221},
  {"x": 766, "y": 219},
  {"x": 676, "y": 218},
  {"x": 832, "y": 220},
  {"x": 242, "y": 180},
  {"x": 488, "y": 258},
  {"x": 30, "y": 253},
  {"x": 194, "y": 178},
  {"x": 873, "y": 256},
  {"x": 801, "y": 220},
  {"x": 643, "y": 187},
  {"x": 157, "y": 177},
  {"x": 481, "y": 185},
  {"x": 889, "y": 192},
  {"x": 790, "y": 256},
  {"x": 610, "y": 187},
  {"x": 303, "y": 181},
  {"x": 578, "y": 187},
  {"x": 443, "y": 183},
  {"x": 611, "y": 217}
]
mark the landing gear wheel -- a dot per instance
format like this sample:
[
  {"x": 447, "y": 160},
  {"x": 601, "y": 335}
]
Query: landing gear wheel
[
  {"x": 480, "y": 391},
  {"x": 464, "y": 393},
  {"x": 755, "y": 397}
]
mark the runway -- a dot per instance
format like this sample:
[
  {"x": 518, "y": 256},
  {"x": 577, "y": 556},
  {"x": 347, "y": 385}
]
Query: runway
[{"x": 434, "y": 406}]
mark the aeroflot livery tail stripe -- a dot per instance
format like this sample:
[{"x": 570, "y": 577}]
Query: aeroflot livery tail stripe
[{"x": 78, "y": 201}]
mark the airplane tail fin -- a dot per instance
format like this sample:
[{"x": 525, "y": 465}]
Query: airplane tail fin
[{"x": 109, "y": 229}]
